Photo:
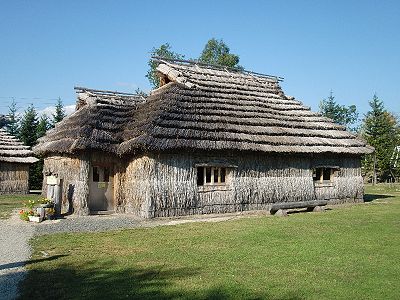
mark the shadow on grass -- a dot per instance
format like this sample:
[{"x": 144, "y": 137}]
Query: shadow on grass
[
  {"x": 373, "y": 197},
  {"x": 28, "y": 262},
  {"x": 107, "y": 281}
]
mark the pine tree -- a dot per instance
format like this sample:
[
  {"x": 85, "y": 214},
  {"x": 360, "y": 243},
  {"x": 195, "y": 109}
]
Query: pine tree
[
  {"x": 340, "y": 114},
  {"x": 43, "y": 126},
  {"x": 28, "y": 135},
  {"x": 59, "y": 113},
  {"x": 140, "y": 92},
  {"x": 3, "y": 121},
  {"x": 28, "y": 129},
  {"x": 12, "y": 123},
  {"x": 381, "y": 130},
  {"x": 36, "y": 170}
]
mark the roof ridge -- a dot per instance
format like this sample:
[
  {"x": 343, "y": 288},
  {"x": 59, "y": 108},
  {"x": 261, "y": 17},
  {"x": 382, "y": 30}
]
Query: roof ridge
[
  {"x": 213, "y": 67},
  {"x": 106, "y": 92}
]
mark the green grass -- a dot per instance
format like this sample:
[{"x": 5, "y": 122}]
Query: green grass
[
  {"x": 10, "y": 202},
  {"x": 348, "y": 252}
]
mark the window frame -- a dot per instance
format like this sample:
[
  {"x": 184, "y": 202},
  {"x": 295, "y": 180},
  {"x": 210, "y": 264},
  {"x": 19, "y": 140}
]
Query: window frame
[
  {"x": 209, "y": 173},
  {"x": 322, "y": 170},
  {"x": 95, "y": 174}
]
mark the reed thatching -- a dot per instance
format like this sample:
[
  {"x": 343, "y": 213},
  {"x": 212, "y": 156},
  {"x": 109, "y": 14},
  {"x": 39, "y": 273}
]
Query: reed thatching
[
  {"x": 13, "y": 151},
  {"x": 162, "y": 185},
  {"x": 214, "y": 109},
  {"x": 199, "y": 109},
  {"x": 95, "y": 125},
  {"x": 14, "y": 164},
  {"x": 14, "y": 178}
]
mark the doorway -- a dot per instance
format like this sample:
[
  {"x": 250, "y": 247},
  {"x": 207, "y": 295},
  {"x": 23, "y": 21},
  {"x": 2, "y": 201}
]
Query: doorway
[{"x": 101, "y": 189}]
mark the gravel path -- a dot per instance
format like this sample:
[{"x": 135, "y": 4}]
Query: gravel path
[
  {"x": 117, "y": 221},
  {"x": 14, "y": 252},
  {"x": 87, "y": 223}
]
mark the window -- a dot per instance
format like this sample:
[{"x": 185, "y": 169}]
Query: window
[
  {"x": 96, "y": 175},
  {"x": 101, "y": 174},
  {"x": 211, "y": 176},
  {"x": 106, "y": 175},
  {"x": 208, "y": 174},
  {"x": 323, "y": 174}
]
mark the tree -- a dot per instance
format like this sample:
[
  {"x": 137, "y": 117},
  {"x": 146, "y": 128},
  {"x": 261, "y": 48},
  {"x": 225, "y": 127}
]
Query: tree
[
  {"x": 381, "y": 130},
  {"x": 3, "y": 121},
  {"x": 216, "y": 52},
  {"x": 340, "y": 114},
  {"x": 140, "y": 92},
  {"x": 28, "y": 128},
  {"x": 164, "y": 51},
  {"x": 28, "y": 135},
  {"x": 36, "y": 170},
  {"x": 59, "y": 113},
  {"x": 12, "y": 123},
  {"x": 43, "y": 125}
]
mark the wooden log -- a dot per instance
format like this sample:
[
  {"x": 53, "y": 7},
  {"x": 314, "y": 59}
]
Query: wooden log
[{"x": 301, "y": 204}]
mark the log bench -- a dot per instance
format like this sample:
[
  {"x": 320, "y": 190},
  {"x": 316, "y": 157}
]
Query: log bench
[{"x": 314, "y": 205}]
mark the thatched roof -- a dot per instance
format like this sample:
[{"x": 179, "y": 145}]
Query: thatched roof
[
  {"x": 213, "y": 108},
  {"x": 95, "y": 125},
  {"x": 13, "y": 150},
  {"x": 202, "y": 108}
]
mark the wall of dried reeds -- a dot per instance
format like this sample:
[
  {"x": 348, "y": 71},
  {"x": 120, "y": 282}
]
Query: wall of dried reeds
[
  {"x": 74, "y": 171},
  {"x": 165, "y": 184},
  {"x": 14, "y": 178},
  {"x": 68, "y": 169},
  {"x": 156, "y": 185}
]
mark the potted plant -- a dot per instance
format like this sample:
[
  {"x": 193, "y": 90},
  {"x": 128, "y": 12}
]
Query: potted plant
[
  {"x": 34, "y": 218},
  {"x": 24, "y": 215},
  {"x": 46, "y": 203},
  {"x": 30, "y": 204}
]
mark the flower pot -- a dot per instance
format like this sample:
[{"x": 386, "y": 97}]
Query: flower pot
[
  {"x": 47, "y": 205},
  {"x": 35, "y": 219}
]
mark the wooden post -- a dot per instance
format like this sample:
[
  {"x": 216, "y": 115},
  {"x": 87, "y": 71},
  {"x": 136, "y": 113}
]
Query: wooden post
[
  {"x": 58, "y": 197},
  {"x": 81, "y": 195}
]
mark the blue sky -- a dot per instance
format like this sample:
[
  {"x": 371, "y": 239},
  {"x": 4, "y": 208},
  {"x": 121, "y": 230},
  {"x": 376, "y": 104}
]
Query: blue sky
[{"x": 350, "y": 47}]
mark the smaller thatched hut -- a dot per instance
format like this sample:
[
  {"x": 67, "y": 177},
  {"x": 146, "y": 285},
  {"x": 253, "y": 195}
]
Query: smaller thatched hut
[{"x": 14, "y": 165}]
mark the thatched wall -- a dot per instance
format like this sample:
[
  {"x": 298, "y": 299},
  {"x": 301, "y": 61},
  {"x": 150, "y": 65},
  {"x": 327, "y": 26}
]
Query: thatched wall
[
  {"x": 14, "y": 178},
  {"x": 68, "y": 169},
  {"x": 75, "y": 173},
  {"x": 165, "y": 184},
  {"x": 157, "y": 185}
]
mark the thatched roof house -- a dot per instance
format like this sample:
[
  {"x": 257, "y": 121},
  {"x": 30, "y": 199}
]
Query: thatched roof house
[
  {"x": 14, "y": 165},
  {"x": 208, "y": 140}
]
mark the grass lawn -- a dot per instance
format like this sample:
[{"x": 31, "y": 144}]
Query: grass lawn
[
  {"x": 349, "y": 252},
  {"x": 10, "y": 202}
]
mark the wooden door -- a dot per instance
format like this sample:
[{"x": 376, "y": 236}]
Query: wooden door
[{"x": 101, "y": 188}]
